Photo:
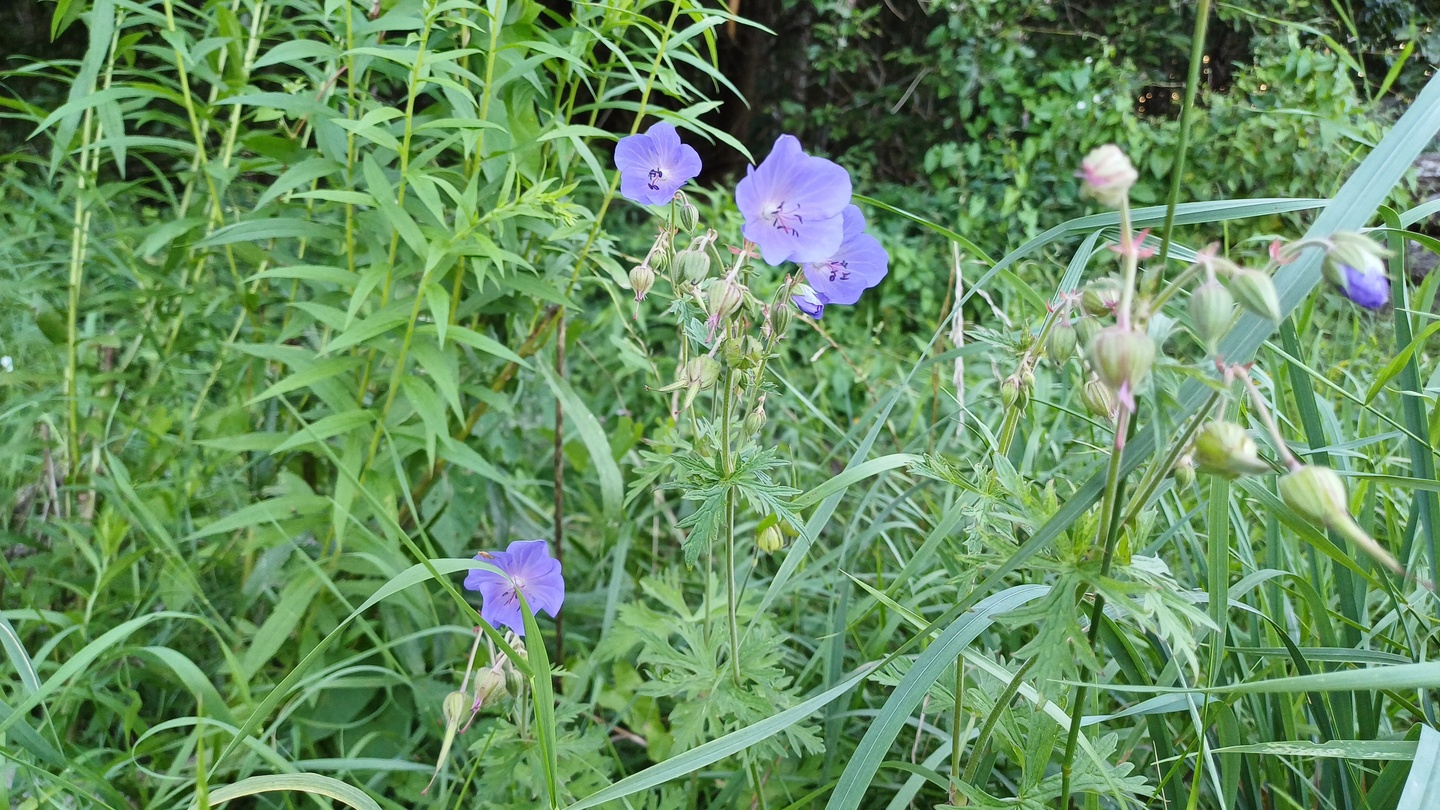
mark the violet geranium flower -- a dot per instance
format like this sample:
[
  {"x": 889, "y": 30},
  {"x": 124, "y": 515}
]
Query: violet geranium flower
[
  {"x": 655, "y": 164},
  {"x": 792, "y": 203},
  {"x": 1367, "y": 285},
  {"x": 527, "y": 569},
  {"x": 859, "y": 264}
]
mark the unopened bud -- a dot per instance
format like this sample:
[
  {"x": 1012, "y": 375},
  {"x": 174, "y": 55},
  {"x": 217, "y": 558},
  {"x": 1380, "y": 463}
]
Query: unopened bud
[
  {"x": 1107, "y": 175},
  {"x": 1212, "y": 308},
  {"x": 755, "y": 420},
  {"x": 1316, "y": 494},
  {"x": 781, "y": 316},
  {"x": 1012, "y": 392},
  {"x": 489, "y": 687},
  {"x": 1100, "y": 297},
  {"x": 689, "y": 216},
  {"x": 1256, "y": 292},
  {"x": 1184, "y": 471},
  {"x": 1060, "y": 344},
  {"x": 1098, "y": 399},
  {"x": 692, "y": 265},
  {"x": 1122, "y": 357},
  {"x": 723, "y": 298},
  {"x": 770, "y": 539},
  {"x": 642, "y": 278},
  {"x": 1356, "y": 265},
  {"x": 699, "y": 374},
  {"x": 1226, "y": 450},
  {"x": 663, "y": 254},
  {"x": 1085, "y": 331}
]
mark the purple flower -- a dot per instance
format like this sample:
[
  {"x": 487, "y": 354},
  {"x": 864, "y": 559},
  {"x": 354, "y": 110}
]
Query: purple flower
[
  {"x": 654, "y": 165},
  {"x": 807, "y": 301},
  {"x": 1367, "y": 286},
  {"x": 792, "y": 203},
  {"x": 527, "y": 568},
  {"x": 859, "y": 264}
]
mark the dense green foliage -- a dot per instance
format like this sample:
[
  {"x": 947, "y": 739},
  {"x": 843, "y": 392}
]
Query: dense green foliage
[{"x": 305, "y": 302}]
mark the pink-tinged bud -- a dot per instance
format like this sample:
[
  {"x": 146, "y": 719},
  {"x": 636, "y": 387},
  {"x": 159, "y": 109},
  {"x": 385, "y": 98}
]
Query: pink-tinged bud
[
  {"x": 1060, "y": 344},
  {"x": 1256, "y": 292},
  {"x": 1316, "y": 494},
  {"x": 1212, "y": 309},
  {"x": 1226, "y": 450},
  {"x": 1098, "y": 399},
  {"x": 1122, "y": 357},
  {"x": 1100, "y": 297},
  {"x": 489, "y": 687},
  {"x": 642, "y": 278},
  {"x": 723, "y": 298},
  {"x": 1108, "y": 175},
  {"x": 770, "y": 539}
]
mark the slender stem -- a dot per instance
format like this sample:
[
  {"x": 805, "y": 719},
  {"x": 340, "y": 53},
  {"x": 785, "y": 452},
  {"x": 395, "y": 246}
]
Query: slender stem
[
  {"x": 955, "y": 724},
  {"x": 1131, "y": 253},
  {"x": 727, "y": 464},
  {"x": 560, "y": 483},
  {"x": 1173, "y": 287},
  {"x": 977, "y": 752},
  {"x": 1192, "y": 84},
  {"x": 1263, "y": 410}
]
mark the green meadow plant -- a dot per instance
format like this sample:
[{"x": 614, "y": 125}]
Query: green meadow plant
[{"x": 360, "y": 445}]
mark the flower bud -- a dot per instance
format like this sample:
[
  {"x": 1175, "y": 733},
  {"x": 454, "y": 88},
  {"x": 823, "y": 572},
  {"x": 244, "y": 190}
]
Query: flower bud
[
  {"x": 489, "y": 687},
  {"x": 1107, "y": 175},
  {"x": 1012, "y": 392},
  {"x": 1226, "y": 450},
  {"x": 1256, "y": 292},
  {"x": 454, "y": 707},
  {"x": 781, "y": 316},
  {"x": 692, "y": 265},
  {"x": 1356, "y": 266},
  {"x": 770, "y": 539},
  {"x": 689, "y": 216},
  {"x": 743, "y": 352},
  {"x": 663, "y": 254},
  {"x": 1099, "y": 400},
  {"x": 1060, "y": 344},
  {"x": 1184, "y": 471},
  {"x": 1316, "y": 494},
  {"x": 698, "y": 374},
  {"x": 755, "y": 420},
  {"x": 723, "y": 297},
  {"x": 1085, "y": 331},
  {"x": 1122, "y": 357},
  {"x": 1212, "y": 308},
  {"x": 642, "y": 278},
  {"x": 1100, "y": 297}
]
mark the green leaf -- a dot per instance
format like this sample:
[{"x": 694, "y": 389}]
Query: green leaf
[{"x": 312, "y": 783}]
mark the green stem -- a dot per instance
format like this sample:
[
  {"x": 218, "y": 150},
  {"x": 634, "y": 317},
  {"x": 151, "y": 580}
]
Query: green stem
[
  {"x": 727, "y": 468},
  {"x": 977, "y": 752},
  {"x": 1192, "y": 84}
]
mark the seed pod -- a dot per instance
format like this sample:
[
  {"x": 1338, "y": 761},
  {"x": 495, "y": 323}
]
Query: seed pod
[
  {"x": 1184, "y": 471},
  {"x": 723, "y": 298},
  {"x": 1122, "y": 357},
  {"x": 1060, "y": 344},
  {"x": 1212, "y": 308},
  {"x": 642, "y": 278},
  {"x": 1099, "y": 400},
  {"x": 1256, "y": 292},
  {"x": 1226, "y": 450},
  {"x": 1085, "y": 331},
  {"x": 489, "y": 687}
]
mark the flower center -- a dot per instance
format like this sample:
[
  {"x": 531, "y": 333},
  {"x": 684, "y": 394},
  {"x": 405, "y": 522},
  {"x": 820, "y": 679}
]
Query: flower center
[
  {"x": 784, "y": 217},
  {"x": 839, "y": 270},
  {"x": 657, "y": 175}
]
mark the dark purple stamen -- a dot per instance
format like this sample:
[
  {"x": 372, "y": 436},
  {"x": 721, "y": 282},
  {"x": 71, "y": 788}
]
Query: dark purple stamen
[
  {"x": 840, "y": 270},
  {"x": 655, "y": 174}
]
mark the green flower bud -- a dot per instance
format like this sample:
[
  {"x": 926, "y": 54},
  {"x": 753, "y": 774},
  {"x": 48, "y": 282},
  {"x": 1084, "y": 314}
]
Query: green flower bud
[
  {"x": 663, "y": 254},
  {"x": 1085, "y": 331},
  {"x": 1212, "y": 308},
  {"x": 1012, "y": 392},
  {"x": 642, "y": 278},
  {"x": 755, "y": 420},
  {"x": 1316, "y": 494},
  {"x": 454, "y": 707},
  {"x": 723, "y": 298},
  {"x": 770, "y": 539},
  {"x": 781, "y": 316},
  {"x": 1060, "y": 344},
  {"x": 489, "y": 687},
  {"x": 689, "y": 217},
  {"x": 1098, "y": 399},
  {"x": 1100, "y": 297},
  {"x": 1256, "y": 292},
  {"x": 692, "y": 265},
  {"x": 1184, "y": 471},
  {"x": 1226, "y": 450},
  {"x": 1122, "y": 357},
  {"x": 742, "y": 353}
]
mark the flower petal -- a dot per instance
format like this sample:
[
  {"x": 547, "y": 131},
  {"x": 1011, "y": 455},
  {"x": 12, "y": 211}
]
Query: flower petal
[{"x": 859, "y": 264}]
